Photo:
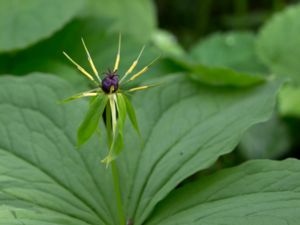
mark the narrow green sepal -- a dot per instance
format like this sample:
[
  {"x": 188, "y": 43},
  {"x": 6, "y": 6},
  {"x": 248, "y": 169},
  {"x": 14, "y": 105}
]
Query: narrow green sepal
[
  {"x": 91, "y": 120},
  {"x": 132, "y": 115},
  {"x": 122, "y": 111},
  {"x": 74, "y": 97}
]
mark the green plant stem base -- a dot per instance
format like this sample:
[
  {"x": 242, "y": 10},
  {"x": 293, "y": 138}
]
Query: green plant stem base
[{"x": 115, "y": 175}]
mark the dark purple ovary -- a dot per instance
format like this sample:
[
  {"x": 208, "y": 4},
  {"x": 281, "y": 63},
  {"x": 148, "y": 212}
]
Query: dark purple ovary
[{"x": 110, "y": 80}]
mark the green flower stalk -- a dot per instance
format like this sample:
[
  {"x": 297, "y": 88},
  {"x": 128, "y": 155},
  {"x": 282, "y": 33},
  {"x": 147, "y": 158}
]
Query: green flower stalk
[{"x": 109, "y": 99}]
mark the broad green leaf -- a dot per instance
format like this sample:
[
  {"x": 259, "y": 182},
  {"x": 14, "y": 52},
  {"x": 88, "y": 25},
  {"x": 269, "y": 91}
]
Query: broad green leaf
[
  {"x": 92, "y": 118},
  {"x": 44, "y": 180},
  {"x": 133, "y": 17},
  {"x": 289, "y": 101},
  {"x": 267, "y": 140},
  {"x": 234, "y": 50},
  {"x": 261, "y": 192},
  {"x": 186, "y": 127},
  {"x": 23, "y": 23},
  {"x": 278, "y": 43}
]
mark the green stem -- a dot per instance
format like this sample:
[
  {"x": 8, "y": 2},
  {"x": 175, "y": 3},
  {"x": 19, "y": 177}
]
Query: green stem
[{"x": 118, "y": 192}]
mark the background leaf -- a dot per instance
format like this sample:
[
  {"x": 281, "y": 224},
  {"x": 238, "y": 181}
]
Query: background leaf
[
  {"x": 101, "y": 42},
  {"x": 167, "y": 43},
  {"x": 258, "y": 192},
  {"x": 289, "y": 101},
  {"x": 223, "y": 76},
  {"x": 216, "y": 76},
  {"x": 235, "y": 50},
  {"x": 278, "y": 43},
  {"x": 135, "y": 17},
  {"x": 25, "y": 23},
  {"x": 268, "y": 140},
  {"x": 225, "y": 59}
]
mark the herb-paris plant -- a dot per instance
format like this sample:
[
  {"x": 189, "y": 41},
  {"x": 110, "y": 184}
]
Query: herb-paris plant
[{"x": 110, "y": 100}]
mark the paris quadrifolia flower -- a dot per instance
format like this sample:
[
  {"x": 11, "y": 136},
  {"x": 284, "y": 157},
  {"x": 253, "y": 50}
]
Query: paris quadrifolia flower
[{"x": 109, "y": 101}]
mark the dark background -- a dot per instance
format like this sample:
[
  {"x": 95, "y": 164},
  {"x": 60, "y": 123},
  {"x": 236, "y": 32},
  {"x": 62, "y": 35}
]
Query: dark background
[{"x": 191, "y": 19}]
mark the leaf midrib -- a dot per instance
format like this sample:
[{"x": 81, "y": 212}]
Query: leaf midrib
[{"x": 146, "y": 141}]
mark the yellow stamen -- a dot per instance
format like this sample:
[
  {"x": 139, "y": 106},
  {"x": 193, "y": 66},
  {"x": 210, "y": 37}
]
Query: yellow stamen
[
  {"x": 138, "y": 88},
  {"x": 90, "y": 60},
  {"x": 143, "y": 70},
  {"x": 83, "y": 71},
  {"x": 131, "y": 68},
  {"x": 139, "y": 73},
  {"x": 89, "y": 94},
  {"x": 118, "y": 55},
  {"x": 111, "y": 90}
]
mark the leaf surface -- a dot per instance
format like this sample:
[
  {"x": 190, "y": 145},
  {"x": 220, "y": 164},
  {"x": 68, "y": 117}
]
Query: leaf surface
[
  {"x": 289, "y": 101},
  {"x": 185, "y": 127},
  {"x": 132, "y": 17},
  {"x": 224, "y": 59},
  {"x": 267, "y": 140},
  {"x": 278, "y": 43},
  {"x": 260, "y": 192},
  {"x": 234, "y": 50},
  {"x": 25, "y": 23},
  {"x": 44, "y": 180}
]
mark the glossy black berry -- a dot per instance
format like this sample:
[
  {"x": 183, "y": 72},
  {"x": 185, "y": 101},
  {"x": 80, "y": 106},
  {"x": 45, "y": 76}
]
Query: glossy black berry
[{"x": 110, "y": 80}]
